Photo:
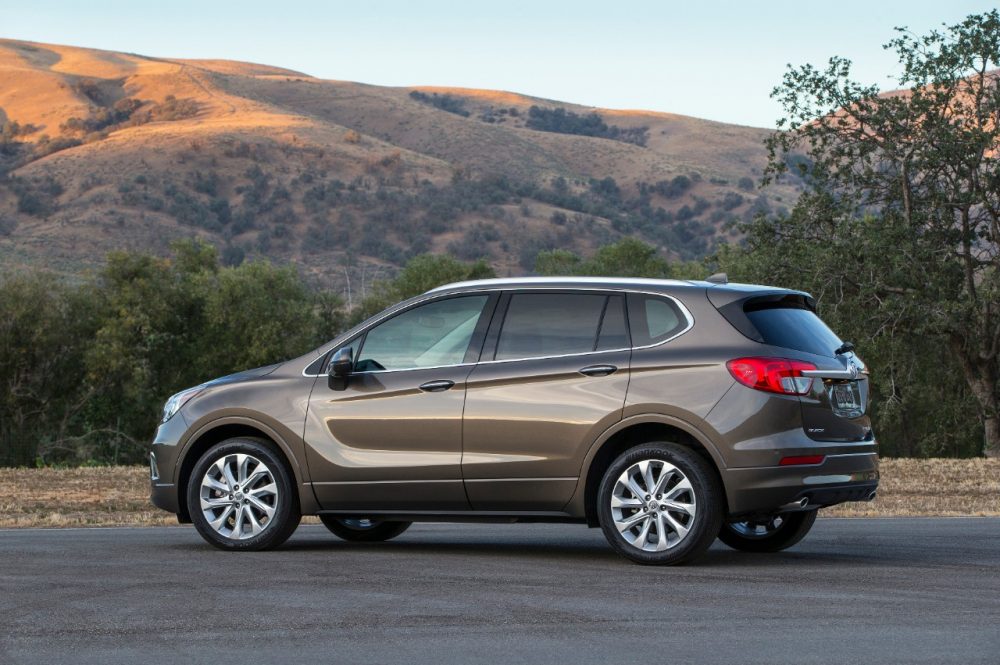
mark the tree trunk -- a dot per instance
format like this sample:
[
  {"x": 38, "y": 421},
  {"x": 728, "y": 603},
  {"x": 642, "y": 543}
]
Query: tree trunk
[
  {"x": 991, "y": 443},
  {"x": 981, "y": 376}
]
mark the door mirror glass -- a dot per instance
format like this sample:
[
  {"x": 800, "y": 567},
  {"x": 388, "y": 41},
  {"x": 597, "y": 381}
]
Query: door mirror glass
[{"x": 341, "y": 366}]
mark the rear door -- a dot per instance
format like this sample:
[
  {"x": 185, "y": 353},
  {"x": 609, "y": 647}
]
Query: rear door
[
  {"x": 553, "y": 376},
  {"x": 836, "y": 407}
]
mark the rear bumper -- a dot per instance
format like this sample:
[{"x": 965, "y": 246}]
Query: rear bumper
[{"x": 840, "y": 478}]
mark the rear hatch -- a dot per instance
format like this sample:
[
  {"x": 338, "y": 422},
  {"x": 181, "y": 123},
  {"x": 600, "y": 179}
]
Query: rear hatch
[{"x": 834, "y": 408}]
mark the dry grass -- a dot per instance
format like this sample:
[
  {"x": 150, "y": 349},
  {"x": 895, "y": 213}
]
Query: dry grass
[
  {"x": 99, "y": 496},
  {"x": 931, "y": 487},
  {"x": 110, "y": 496}
]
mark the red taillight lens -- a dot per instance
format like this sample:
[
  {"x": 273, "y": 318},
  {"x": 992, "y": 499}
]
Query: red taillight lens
[
  {"x": 773, "y": 375},
  {"x": 802, "y": 459}
]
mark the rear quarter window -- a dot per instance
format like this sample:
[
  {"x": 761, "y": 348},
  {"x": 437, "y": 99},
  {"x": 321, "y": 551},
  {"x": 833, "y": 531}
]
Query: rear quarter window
[{"x": 654, "y": 319}]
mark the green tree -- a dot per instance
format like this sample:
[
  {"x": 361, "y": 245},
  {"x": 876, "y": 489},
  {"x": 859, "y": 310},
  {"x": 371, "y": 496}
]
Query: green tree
[
  {"x": 170, "y": 323},
  {"x": 45, "y": 326},
  {"x": 85, "y": 368},
  {"x": 902, "y": 219},
  {"x": 257, "y": 314}
]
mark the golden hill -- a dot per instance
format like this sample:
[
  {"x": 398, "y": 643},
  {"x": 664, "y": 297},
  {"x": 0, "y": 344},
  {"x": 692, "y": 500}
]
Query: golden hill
[{"x": 102, "y": 150}]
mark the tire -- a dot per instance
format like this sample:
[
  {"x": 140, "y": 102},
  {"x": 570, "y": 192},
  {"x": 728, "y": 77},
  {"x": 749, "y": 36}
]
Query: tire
[
  {"x": 776, "y": 533},
  {"x": 267, "y": 516},
  {"x": 673, "y": 530},
  {"x": 363, "y": 530}
]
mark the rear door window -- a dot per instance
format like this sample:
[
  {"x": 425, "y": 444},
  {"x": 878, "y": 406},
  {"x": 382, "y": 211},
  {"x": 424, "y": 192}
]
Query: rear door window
[
  {"x": 794, "y": 328},
  {"x": 539, "y": 325}
]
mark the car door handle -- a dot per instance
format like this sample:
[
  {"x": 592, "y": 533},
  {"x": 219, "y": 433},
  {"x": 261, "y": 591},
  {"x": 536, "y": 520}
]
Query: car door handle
[
  {"x": 436, "y": 386},
  {"x": 599, "y": 370}
]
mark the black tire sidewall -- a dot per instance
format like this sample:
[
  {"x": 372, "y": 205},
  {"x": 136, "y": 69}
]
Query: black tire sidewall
[
  {"x": 708, "y": 496},
  {"x": 379, "y": 532},
  {"x": 793, "y": 529},
  {"x": 286, "y": 517}
]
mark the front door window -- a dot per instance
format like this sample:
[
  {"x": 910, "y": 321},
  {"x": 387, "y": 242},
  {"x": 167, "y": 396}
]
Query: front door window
[{"x": 432, "y": 335}]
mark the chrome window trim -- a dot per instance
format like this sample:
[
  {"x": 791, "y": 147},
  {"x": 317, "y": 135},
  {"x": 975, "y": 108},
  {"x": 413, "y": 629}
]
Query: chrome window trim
[{"x": 432, "y": 294}]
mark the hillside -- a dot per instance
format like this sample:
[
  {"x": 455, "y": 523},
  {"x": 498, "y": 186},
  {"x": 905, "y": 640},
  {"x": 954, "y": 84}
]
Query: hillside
[{"x": 102, "y": 150}]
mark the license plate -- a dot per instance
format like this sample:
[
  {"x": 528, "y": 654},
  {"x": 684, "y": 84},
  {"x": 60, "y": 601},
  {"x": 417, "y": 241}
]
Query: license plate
[{"x": 845, "y": 398}]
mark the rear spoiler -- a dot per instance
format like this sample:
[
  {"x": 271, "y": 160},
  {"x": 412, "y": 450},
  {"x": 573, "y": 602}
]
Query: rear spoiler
[{"x": 733, "y": 305}]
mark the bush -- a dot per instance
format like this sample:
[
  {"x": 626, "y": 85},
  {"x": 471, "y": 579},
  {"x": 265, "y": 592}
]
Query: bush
[
  {"x": 446, "y": 102},
  {"x": 674, "y": 188},
  {"x": 731, "y": 200},
  {"x": 36, "y": 196},
  {"x": 561, "y": 121}
]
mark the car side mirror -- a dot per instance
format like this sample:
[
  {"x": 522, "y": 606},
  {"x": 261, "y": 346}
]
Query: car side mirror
[{"x": 341, "y": 366}]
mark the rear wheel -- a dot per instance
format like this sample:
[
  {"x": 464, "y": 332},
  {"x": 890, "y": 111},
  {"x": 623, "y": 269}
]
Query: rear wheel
[
  {"x": 363, "y": 530},
  {"x": 769, "y": 534},
  {"x": 660, "y": 503},
  {"x": 241, "y": 496}
]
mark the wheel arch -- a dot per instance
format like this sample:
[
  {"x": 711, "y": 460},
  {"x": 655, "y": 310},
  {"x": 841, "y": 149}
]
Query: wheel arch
[
  {"x": 230, "y": 427},
  {"x": 632, "y": 432}
]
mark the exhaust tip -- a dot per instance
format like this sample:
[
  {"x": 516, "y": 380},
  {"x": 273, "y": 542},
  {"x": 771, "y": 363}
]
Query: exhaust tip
[
  {"x": 871, "y": 497},
  {"x": 803, "y": 502}
]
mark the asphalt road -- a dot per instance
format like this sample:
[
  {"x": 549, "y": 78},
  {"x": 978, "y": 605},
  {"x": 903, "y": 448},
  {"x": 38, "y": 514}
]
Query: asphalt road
[{"x": 873, "y": 591}]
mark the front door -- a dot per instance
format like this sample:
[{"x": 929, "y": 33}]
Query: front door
[{"x": 392, "y": 439}]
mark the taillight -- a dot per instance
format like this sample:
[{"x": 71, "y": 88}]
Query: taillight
[{"x": 773, "y": 375}]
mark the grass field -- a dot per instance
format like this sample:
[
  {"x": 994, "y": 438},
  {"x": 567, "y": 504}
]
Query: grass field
[{"x": 109, "y": 496}]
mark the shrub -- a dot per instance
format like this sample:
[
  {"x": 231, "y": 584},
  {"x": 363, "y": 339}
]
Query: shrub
[
  {"x": 561, "y": 121},
  {"x": 674, "y": 188},
  {"x": 445, "y": 102},
  {"x": 731, "y": 200}
]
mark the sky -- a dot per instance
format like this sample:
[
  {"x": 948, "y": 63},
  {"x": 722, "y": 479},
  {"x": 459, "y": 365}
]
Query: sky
[{"x": 710, "y": 59}]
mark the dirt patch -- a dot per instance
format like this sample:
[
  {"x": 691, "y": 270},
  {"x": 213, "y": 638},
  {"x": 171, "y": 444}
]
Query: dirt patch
[{"x": 111, "y": 496}]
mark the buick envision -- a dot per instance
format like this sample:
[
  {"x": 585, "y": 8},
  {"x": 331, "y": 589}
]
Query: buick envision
[{"x": 669, "y": 413}]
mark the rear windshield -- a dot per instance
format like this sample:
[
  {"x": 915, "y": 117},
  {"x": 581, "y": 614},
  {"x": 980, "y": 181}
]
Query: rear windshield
[{"x": 793, "y": 328}]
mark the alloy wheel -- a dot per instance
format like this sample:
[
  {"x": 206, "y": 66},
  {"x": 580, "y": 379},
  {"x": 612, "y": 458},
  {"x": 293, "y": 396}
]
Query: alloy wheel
[
  {"x": 653, "y": 505},
  {"x": 239, "y": 496}
]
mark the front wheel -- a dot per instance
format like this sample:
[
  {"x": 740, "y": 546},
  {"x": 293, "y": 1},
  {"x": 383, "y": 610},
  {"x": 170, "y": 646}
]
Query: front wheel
[
  {"x": 660, "y": 503},
  {"x": 241, "y": 496},
  {"x": 769, "y": 534},
  {"x": 363, "y": 530}
]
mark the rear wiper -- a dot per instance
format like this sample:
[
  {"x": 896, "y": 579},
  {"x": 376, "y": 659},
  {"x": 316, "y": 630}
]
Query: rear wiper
[{"x": 846, "y": 347}]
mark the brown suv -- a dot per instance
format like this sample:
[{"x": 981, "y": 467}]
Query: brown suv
[{"x": 668, "y": 413}]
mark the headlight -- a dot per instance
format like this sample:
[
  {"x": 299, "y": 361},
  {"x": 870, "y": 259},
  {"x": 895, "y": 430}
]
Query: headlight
[{"x": 175, "y": 403}]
